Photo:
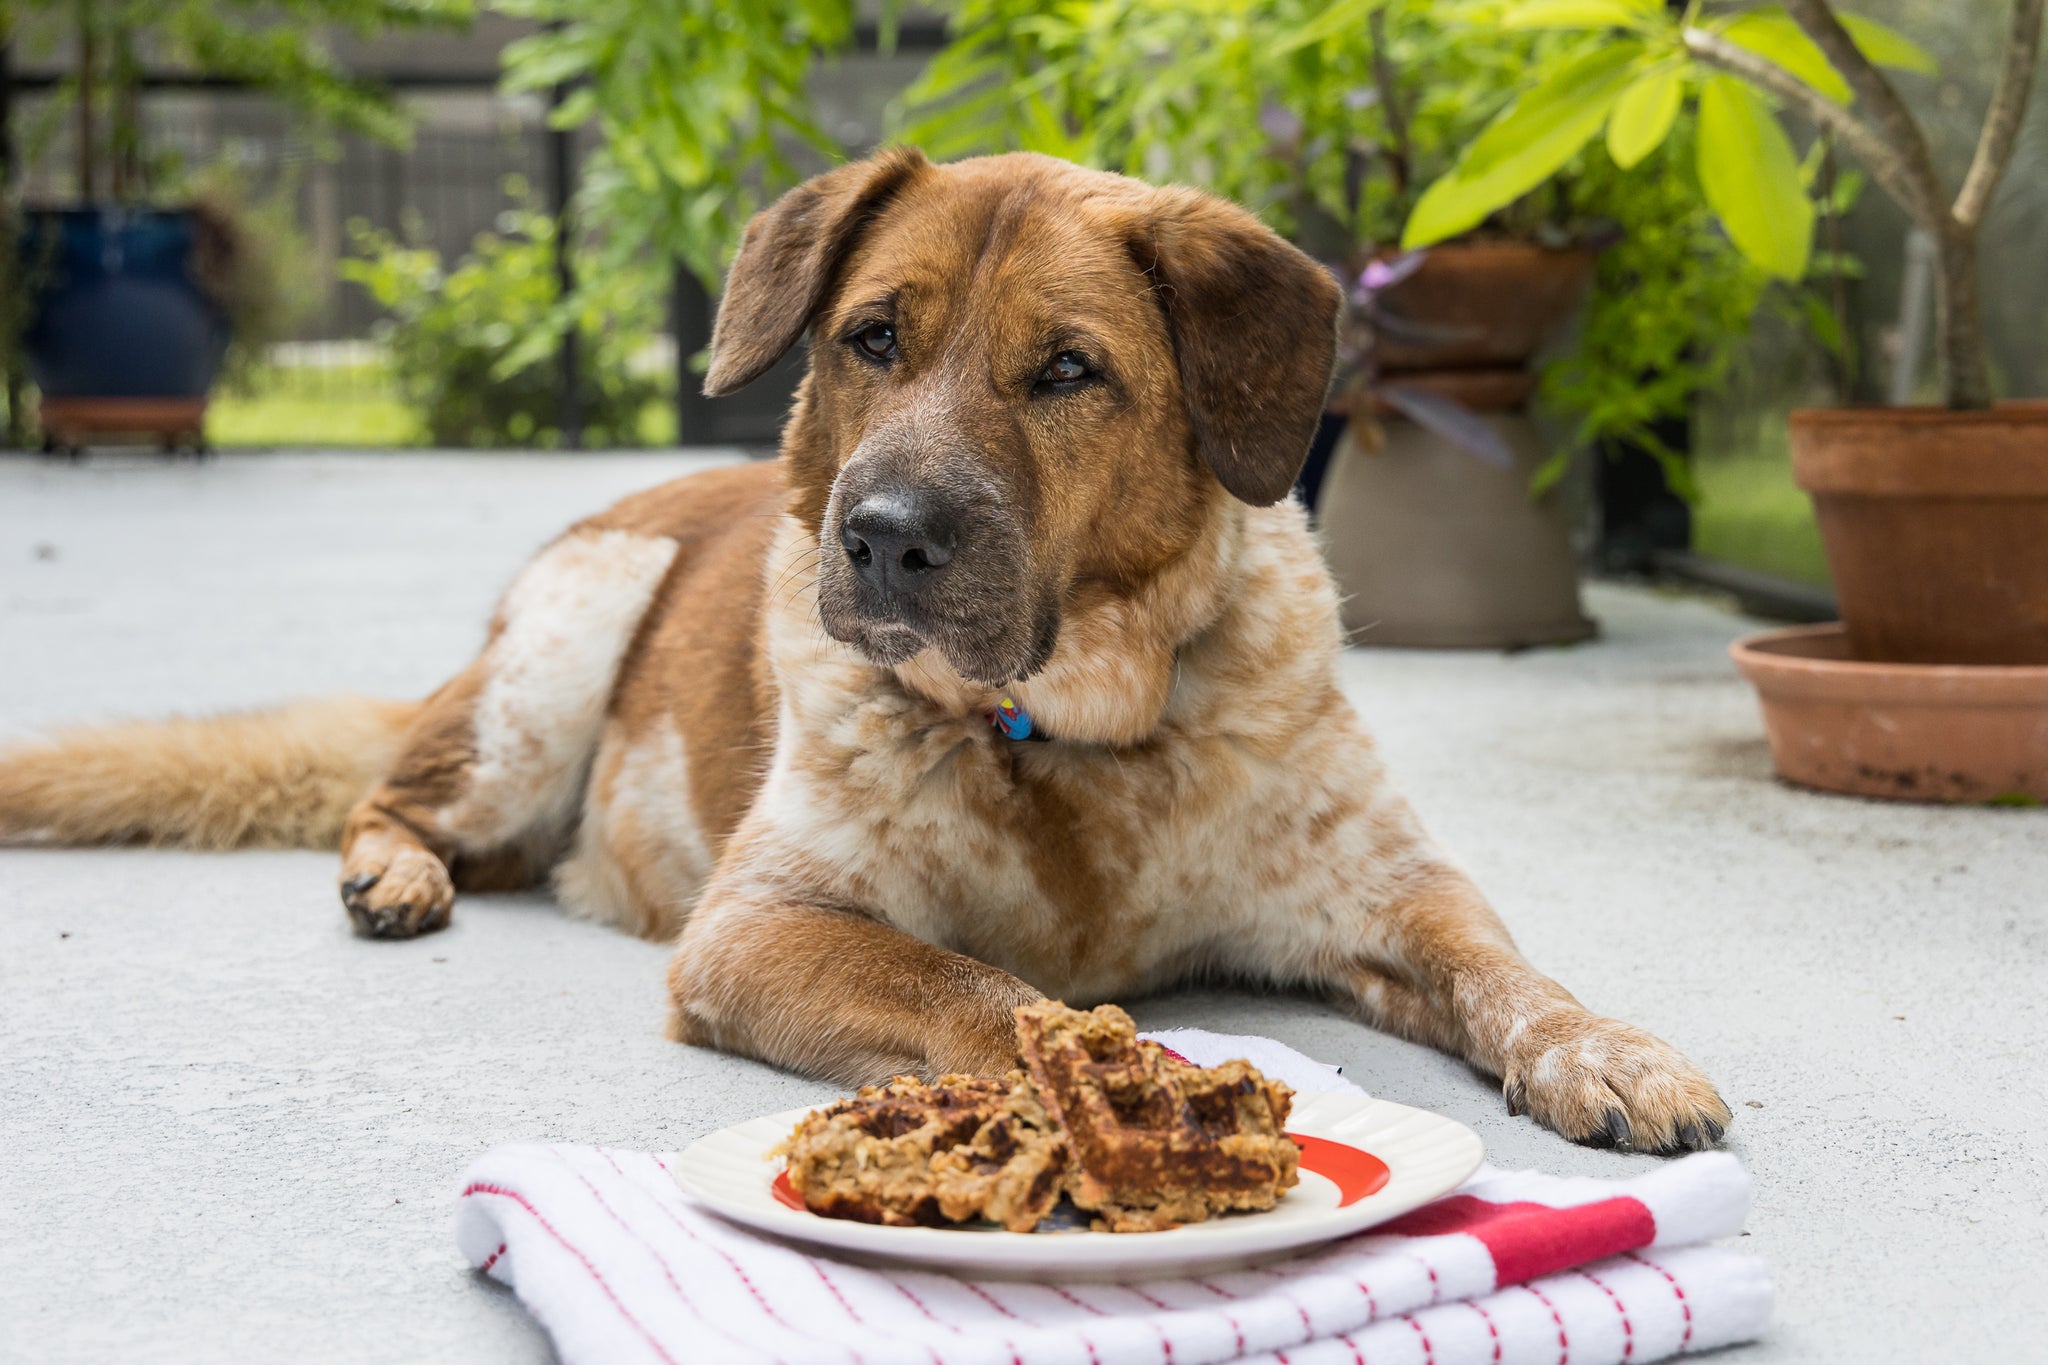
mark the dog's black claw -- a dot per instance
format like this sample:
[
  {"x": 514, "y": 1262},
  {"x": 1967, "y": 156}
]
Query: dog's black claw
[
  {"x": 378, "y": 922},
  {"x": 358, "y": 884},
  {"x": 1616, "y": 1130},
  {"x": 1714, "y": 1132},
  {"x": 1689, "y": 1137},
  {"x": 1517, "y": 1097}
]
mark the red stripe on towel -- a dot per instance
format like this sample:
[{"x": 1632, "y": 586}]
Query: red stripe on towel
[
  {"x": 521, "y": 1200},
  {"x": 1531, "y": 1240},
  {"x": 1628, "y": 1329},
  {"x": 1684, "y": 1304}
]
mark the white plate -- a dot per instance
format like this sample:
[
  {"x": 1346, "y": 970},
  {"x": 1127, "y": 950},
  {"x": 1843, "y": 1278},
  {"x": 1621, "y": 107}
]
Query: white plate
[{"x": 1426, "y": 1155}]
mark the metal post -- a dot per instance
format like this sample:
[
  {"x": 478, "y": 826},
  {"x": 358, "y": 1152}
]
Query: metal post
[
  {"x": 1916, "y": 291},
  {"x": 561, "y": 185},
  {"x": 14, "y": 305}
]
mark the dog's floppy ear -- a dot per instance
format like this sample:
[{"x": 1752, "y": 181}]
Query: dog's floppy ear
[
  {"x": 786, "y": 262},
  {"x": 1254, "y": 327}
]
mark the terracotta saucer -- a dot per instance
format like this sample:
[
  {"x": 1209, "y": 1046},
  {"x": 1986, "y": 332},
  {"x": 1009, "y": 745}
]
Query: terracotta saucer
[{"x": 1907, "y": 732}]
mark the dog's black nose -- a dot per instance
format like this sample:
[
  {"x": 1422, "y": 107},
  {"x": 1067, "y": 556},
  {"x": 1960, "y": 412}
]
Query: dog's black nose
[{"x": 900, "y": 542}]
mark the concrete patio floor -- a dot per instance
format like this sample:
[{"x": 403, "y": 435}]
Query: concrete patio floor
[{"x": 227, "y": 1127}]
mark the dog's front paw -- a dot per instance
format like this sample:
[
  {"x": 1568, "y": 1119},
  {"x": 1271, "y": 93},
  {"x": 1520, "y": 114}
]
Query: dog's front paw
[
  {"x": 1606, "y": 1084},
  {"x": 402, "y": 895}
]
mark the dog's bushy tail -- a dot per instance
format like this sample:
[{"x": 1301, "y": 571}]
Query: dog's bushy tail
[{"x": 278, "y": 778}]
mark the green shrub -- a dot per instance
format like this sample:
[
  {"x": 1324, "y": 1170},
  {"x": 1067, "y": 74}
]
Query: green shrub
[{"x": 476, "y": 349}]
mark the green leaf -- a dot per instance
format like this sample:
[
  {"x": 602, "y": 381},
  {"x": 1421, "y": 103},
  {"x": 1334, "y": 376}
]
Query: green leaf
[
  {"x": 1771, "y": 35},
  {"x": 1887, "y": 47},
  {"x": 1643, "y": 116},
  {"x": 1556, "y": 118},
  {"x": 1522, "y": 148},
  {"x": 1821, "y": 321},
  {"x": 1751, "y": 178},
  {"x": 1578, "y": 14}
]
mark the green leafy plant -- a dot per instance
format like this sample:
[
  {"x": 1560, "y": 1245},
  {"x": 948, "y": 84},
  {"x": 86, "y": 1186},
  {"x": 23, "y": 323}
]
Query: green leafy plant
[
  {"x": 700, "y": 102},
  {"x": 252, "y": 260},
  {"x": 280, "y": 47},
  {"x": 1329, "y": 120},
  {"x": 474, "y": 347},
  {"x": 1631, "y": 67},
  {"x": 246, "y": 250},
  {"x": 1324, "y": 118}
]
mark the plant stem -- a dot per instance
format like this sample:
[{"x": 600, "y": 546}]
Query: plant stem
[
  {"x": 1959, "y": 321},
  {"x": 2007, "y": 112},
  {"x": 124, "y": 118},
  {"x": 1874, "y": 95},
  {"x": 1885, "y": 166},
  {"x": 1845, "y": 372},
  {"x": 1895, "y": 150},
  {"x": 1401, "y": 156},
  {"x": 87, "y": 60}
]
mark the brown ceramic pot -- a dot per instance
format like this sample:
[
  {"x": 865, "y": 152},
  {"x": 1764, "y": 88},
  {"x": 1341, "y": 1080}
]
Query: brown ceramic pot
[
  {"x": 1936, "y": 528},
  {"x": 1911, "y": 732},
  {"x": 1505, "y": 300}
]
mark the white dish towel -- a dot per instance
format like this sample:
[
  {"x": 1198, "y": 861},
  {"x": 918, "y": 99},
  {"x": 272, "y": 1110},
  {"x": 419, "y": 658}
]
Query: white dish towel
[{"x": 1515, "y": 1268}]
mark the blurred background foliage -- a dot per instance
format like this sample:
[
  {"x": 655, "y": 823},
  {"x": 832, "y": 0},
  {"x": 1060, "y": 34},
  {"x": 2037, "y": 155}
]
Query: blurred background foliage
[
  {"x": 690, "y": 114},
  {"x": 472, "y": 347}
]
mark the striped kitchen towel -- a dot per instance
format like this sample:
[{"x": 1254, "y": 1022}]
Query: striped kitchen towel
[{"x": 619, "y": 1265}]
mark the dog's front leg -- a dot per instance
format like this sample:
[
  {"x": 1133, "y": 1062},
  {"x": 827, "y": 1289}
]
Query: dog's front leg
[
  {"x": 1439, "y": 967},
  {"x": 768, "y": 972}
]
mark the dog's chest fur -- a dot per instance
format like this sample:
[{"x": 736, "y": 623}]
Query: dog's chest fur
[{"x": 1252, "y": 808}]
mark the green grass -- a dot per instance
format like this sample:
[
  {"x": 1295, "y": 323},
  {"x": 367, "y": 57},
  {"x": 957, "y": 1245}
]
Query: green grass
[
  {"x": 1751, "y": 513},
  {"x": 347, "y": 405},
  {"x": 355, "y": 405},
  {"x": 297, "y": 420}
]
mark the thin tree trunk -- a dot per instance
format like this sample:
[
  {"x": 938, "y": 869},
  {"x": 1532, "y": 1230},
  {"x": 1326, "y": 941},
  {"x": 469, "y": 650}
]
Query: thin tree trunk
[
  {"x": 1959, "y": 321},
  {"x": 87, "y": 59}
]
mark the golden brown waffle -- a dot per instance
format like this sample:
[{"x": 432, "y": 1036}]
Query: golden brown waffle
[
  {"x": 1136, "y": 1137},
  {"x": 909, "y": 1153},
  {"x": 1155, "y": 1142}
]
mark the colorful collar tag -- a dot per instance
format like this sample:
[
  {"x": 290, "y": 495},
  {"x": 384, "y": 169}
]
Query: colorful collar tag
[{"x": 1013, "y": 720}]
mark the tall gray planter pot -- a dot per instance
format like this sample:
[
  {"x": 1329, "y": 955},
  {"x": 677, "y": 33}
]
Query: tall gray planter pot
[{"x": 1434, "y": 548}]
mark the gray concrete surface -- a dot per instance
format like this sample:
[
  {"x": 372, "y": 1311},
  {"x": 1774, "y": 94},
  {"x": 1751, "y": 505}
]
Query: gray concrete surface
[{"x": 229, "y": 1128}]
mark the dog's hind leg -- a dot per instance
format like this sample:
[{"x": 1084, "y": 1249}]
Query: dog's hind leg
[{"x": 485, "y": 790}]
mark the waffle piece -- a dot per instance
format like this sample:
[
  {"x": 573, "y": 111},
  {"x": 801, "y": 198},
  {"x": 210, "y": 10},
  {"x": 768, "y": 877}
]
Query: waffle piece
[
  {"x": 907, "y": 1153},
  {"x": 1155, "y": 1142}
]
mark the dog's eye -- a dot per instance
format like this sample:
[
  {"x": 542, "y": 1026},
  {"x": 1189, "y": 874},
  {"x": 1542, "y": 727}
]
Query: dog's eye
[
  {"x": 876, "y": 341},
  {"x": 1068, "y": 368}
]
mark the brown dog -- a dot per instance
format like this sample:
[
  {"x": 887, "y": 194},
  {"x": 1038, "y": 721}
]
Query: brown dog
[{"x": 1041, "y": 455}]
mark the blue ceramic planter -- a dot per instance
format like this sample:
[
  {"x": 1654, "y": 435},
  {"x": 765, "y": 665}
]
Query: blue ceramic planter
[{"x": 116, "y": 311}]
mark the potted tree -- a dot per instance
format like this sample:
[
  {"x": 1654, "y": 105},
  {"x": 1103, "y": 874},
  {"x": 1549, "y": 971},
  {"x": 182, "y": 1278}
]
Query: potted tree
[
  {"x": 134, "y": 291},
  {"x": 1329, "y": 119},
  {"x": 1934, "y": 519}
]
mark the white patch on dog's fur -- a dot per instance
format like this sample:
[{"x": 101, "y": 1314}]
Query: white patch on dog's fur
[
  {"x": 563, "y": 627},
  {"x": 638, "y": 830},
  {"x": 1276, "y": 832}
]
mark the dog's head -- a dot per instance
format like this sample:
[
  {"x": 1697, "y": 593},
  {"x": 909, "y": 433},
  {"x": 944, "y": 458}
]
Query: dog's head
[{"x": 1024, "y": 377}]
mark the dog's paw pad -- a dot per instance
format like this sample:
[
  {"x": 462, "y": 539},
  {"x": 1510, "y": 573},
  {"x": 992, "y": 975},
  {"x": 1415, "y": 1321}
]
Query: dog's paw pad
[
  {"x": 1606, "y": 1084},
  {"x": 410, "y": 894}
]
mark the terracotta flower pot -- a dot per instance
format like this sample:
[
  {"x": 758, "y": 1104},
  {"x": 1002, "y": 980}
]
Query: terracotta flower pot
[
  {"x": 1936, "y": 528},
  {"x": 1504, "y": 299},
  {"x": 1912, "y": 732}
]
